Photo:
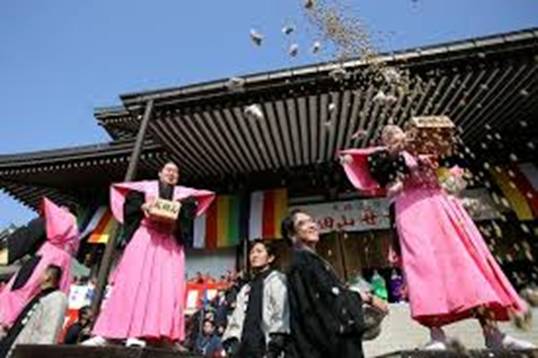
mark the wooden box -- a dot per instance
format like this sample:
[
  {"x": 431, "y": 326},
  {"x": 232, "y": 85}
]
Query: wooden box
[
  {"x": 165, "y": 211},
  {"x": 431, "y": 135}
]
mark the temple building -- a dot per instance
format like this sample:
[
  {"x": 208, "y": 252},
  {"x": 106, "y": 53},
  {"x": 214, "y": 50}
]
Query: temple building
[{"x": 266, "y": 142}]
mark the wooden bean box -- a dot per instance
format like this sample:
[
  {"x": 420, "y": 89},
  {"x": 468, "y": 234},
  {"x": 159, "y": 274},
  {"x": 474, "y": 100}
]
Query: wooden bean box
[
  {"x": 165, "y": 211},
  {"x": 431, "y": 135}
]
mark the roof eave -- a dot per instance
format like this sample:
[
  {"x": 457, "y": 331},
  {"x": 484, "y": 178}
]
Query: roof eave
[{"x": 135, "y": 101}]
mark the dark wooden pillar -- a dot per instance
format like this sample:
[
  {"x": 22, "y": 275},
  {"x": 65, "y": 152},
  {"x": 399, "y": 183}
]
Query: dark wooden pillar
[{"x": 106, "y": 262}]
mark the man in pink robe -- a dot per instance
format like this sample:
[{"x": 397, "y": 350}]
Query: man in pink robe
[
  {"x": 148, "y": 285},
  {"x": 450, "y": 273}
]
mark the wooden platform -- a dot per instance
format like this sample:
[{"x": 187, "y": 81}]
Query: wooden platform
[
  {"x": 57, "y": 351},
  {"x": 476, "y": 353}
]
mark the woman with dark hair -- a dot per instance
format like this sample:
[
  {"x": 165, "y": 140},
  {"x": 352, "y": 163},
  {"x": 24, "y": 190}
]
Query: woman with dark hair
[
  {"x": 326, "y": 318},
  {"x": 259, "y": 325}
]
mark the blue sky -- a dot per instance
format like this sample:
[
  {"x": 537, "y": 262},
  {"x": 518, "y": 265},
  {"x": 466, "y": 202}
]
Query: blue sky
[{"x": 59, "y": 59}]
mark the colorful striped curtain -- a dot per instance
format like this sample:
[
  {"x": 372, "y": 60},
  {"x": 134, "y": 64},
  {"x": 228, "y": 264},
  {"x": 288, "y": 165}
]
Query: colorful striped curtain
[
  {"x": 221, "y": 225},
  {"x": 104, "y": 230},
  {"x": 526, "y": 180},
  {"x": 84, "y": 216},
  {"x": 100, "y": 227},
  {"x": 267, "y": 210},
  {"x": 517, "y": 200}
]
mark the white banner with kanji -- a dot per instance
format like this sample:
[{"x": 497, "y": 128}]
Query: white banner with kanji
[
  {"x": 373, "y": 214},
  {"x": 352, "y": 215}
]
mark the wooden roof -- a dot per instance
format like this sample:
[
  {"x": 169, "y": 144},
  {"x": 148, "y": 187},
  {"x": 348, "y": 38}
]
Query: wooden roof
[
  {"x": 66, "y": 175},
  {"x": 488, "y": 86},
  {"x": 488, "y": 82}
]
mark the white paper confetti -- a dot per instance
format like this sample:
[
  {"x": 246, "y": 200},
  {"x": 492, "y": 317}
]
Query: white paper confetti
[
  {"x": 253, "y": 111},
  {"x": 286, "y": 30},
  {"x": 235, "y": 84},
  {"x": 256, "y": 37},
  {"x": 316, "y": 47},
  {"x": 293, "y": 50},
  {"x": 339, "y": 74}
]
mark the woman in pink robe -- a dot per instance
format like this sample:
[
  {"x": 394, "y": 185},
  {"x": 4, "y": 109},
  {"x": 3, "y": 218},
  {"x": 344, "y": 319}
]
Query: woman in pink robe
[
  {"x": 148, "y": 285},
  {"x": 60, "y": 244},
  {"x": 451, "y": 274}
]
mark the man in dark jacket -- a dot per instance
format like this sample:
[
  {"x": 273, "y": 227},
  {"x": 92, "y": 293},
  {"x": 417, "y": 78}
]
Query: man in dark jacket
[{"x": 208, "y": 343}]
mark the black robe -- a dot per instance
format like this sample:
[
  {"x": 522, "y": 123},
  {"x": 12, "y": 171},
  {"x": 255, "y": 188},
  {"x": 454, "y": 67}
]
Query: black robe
[
  {"x": 386, "y": 168},
  {"x": 74, "y": 334},
  {"x": 133, "y": 215},
  {"x": 23, "y": 241},
  {"x": 252, "y": 337},
  {"x": 325, "y": 317}
]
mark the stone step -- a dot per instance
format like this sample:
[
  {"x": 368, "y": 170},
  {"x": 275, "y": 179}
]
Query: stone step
[
  {"x": 401, "y": 334},
  {"x": 475, "y": 353}
]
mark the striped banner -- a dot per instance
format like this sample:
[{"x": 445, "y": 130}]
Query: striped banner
[
  {"x": 104, "y": 226},
  {"x": 220, "y": 225},
  {"x": 515, "y": 198},
  {"x": 267, "y": 210},
  {"x": 525, "y": 186},
  {"x": 84, "y": 216},
  {"x": 93, "y": 220}
]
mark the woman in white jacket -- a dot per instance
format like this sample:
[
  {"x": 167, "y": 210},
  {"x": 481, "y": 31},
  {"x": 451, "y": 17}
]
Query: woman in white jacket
[{"x": 259, "y": 325}]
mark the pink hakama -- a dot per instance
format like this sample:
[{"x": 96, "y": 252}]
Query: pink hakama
[
  {"x": 60, "y": 245},
  {"x": 449, "y": 270},
  {"x": 148, "y": 287}
]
